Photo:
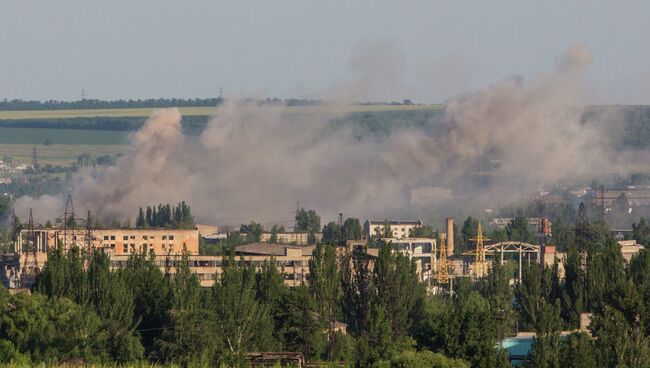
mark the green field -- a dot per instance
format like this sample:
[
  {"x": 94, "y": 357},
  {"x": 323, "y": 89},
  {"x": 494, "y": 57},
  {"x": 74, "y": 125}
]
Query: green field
[
  {"x": 202, "y": 111},
  {"x": 62, "y": 136},
  {"x": 56, "y": 154}
]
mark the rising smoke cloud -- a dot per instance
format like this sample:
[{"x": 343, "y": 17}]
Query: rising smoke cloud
[{"x": 255, "y": 163}]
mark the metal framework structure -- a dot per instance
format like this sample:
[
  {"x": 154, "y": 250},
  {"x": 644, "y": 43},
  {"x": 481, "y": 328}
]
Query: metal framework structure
[
  {"x": 29, "y": 248},
  {"x": 442, "y": 273},
  {"x": 68, "y": 226},
  {"x": 480, "y": 264},
  {"x": 514, "y": 247},
  {"x": 582, "y": 235}
]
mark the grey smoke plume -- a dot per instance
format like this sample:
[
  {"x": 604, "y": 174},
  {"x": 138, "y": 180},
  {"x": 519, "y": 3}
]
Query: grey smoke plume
[{"x": 255, "y": 163}]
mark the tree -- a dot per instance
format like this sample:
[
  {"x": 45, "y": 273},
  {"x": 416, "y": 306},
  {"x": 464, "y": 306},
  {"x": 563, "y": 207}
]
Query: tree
[
  {"x": 573, "y": 291},
  {"x": 324, "y": 284},
  {"x": 641, "y": 232},
  {"x": 468, "y": 231},
  {"x": 192, "y": 340},
  {"x": 252, "y": 231},
  {"x": 151, "y": 296},
  {"x": 425, "y": 359},
  {"x": 52, "y": 329},
  {"x": 545, "y": 351},
  {"x": 308, "y": 221},
  {"x": 244, "y": 323},
  {"x": 300, "y": 327},
  {"x": 331, "y": 233},
  {"x": 351, "y": 229},
  {"x": 495, "y": 287},
  {"x": 424, "y": 231},
  {"x": 518, "y": 230},
  {"x": 398, "y": 289},
  {"x": 577, "y": 351}
]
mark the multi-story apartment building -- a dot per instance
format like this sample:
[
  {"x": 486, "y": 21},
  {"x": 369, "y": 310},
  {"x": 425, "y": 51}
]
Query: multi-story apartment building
[
  {"x": 116, "y": 241},
  {"x": 291, "y": 261},
  {"x": 397, "y": 229}
]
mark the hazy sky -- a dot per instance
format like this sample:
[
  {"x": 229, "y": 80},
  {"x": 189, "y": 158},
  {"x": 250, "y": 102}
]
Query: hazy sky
[{"x": 424, "y": 50}]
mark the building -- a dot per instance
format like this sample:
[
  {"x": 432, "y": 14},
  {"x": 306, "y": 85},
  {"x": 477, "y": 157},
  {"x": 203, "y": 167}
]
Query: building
[
  {"x": 398, "y": 229},
  {"x": 534, "y": 223},
  {"x": 284, "y": 237},
  {"x": 629, "y": 248},
  {"x": 290, "y": 260},
  {"x": 117, "y": 241},
  {"x": 421, "y": 250}
]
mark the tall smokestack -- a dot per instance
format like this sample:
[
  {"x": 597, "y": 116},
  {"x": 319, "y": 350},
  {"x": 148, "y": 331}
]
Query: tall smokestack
[{"x": 450, "y": 236}]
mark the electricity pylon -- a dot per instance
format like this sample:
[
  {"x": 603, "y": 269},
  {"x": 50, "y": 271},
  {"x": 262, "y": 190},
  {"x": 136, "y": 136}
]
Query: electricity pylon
[
  {"x": 480, "y": 265},
  {"x": 442, "y": 274}
]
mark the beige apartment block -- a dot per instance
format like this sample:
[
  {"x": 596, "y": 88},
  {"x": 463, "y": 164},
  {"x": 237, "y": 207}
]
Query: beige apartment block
[{"x": 116, "y": 241}]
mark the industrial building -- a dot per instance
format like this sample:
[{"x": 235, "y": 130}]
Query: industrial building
[
  {"x": 398, "y": 229},
  {"x": 116, "y": 241},
  {"x": 290, "y": 260}
]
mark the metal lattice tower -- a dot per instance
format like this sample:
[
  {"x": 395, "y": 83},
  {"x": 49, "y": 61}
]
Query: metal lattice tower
[
  {"x": 582, "y": 235},
  {"x": 29, "y": 249},
  {"x": 68, "y": 226},
  {"x": 34, "y": 158},
  {"x": 89, "y": 237},
  {"x": 442, "y": 274},
  {"x": 480, "y": 265}
]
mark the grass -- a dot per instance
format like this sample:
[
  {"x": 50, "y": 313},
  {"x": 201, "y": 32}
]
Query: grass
[
  {"x": 199, "y": 111},
  {"x": 57, "y": 154},
  {"x": 62, "y": 136}
]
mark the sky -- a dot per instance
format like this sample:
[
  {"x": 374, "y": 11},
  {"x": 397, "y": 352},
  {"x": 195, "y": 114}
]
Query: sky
[{"x": 428, "y": 51}]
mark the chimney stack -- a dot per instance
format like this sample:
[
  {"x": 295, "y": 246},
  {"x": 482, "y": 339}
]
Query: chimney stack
[{"x": 450, "y": 236}]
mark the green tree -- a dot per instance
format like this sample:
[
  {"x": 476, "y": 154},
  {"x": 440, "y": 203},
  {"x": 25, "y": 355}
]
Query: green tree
[
  {"x": 192, "y": 338},
  {"x": 332, "y": 233},
  {"x": 324, "y": 285},
  {"x": 398, "y": 289},
  {"x": 495, "y": 287},
  {"x": 577, "y": 351},
  {"x": 518, "y": 230},
  {"x": 244, "y": 323},
  {"x": 351, "y": 229},
  {"x": 253, "y": 232},
  {"x": 468, "y": 231},
  {"x": 309, "y": 221},
  {"x": 641, "y": 232},
  {"x": 424, "y": 231},
  {"x": 300, "y": 326}
]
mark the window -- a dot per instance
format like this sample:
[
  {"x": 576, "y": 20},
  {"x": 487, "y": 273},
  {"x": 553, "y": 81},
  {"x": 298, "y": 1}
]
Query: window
[
  {"x": 112, "y": 237},
  {"x": 132, "y": 236},
  {"x": 125, "y": 248},
  {"x": 105, "y": 237},
  {"x": 145, "y": 237},
  {"x": 171, "y": 237},
  {"x": 164, "y": 237},
  {"x": 125, "y": 237}
]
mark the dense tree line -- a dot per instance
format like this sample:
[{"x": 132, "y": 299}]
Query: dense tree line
[
  {"x": 81, "y": 308},
  {"x": 165, "y": 217},
  {"x": 103, "y": 104},
  {"x": 140, "y": 312}
]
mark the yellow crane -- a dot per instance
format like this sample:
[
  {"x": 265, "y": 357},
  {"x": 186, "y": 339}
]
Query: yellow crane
[
  {"x": 442, "y": 274},
  {"x": 480, "y": 265}
]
